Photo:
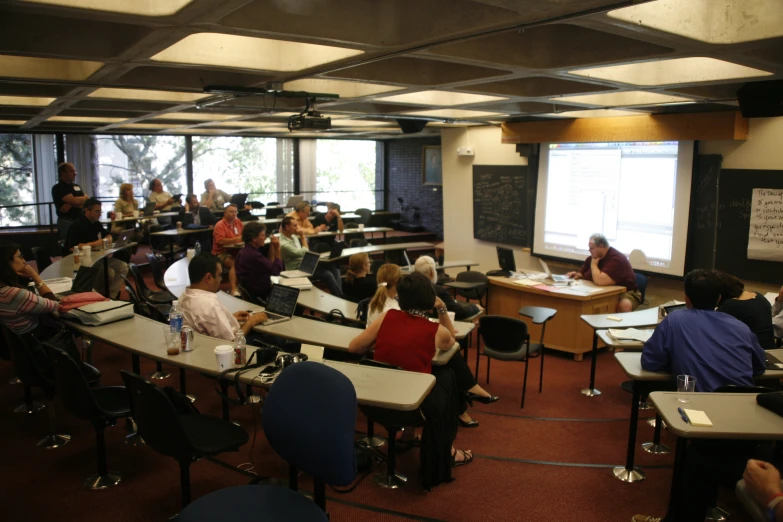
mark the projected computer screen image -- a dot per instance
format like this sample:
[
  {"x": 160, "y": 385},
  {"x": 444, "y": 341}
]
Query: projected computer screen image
[{"x": 635, "y": 193}]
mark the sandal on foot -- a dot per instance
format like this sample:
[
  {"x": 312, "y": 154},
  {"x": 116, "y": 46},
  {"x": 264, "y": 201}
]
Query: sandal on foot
[{"x": 467, "y": 458}]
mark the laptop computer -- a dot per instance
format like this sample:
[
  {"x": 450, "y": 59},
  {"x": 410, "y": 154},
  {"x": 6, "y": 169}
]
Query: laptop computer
[
  {"x": 124, "y": 237},
  {"x": 239, "y": 200},
  {"x": 772, "y": 362},
  {"x": 306, "y": 267},
  {"x": 554, "y": 277},
  {"x": 407, "y": 260},
  {"x": 294, "y": 200},
  {"x": 335, "y": 252},
  {"x": 280, "y": 304},
  {"x": 149, "y": 208}
]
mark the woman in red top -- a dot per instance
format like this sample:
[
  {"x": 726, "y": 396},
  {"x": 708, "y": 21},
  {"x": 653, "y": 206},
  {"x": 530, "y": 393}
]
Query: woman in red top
[{"x": 406, "y": 338}]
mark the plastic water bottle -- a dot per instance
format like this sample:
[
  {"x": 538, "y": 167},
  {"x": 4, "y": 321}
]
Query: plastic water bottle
[
  {"x": 175, "y": 318},
  {"x": 240, "y": 352},
  {"x": 197, "y": 247}
]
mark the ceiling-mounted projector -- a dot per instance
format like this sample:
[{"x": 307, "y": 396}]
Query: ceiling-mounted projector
[{"x": 309, "y": 120}]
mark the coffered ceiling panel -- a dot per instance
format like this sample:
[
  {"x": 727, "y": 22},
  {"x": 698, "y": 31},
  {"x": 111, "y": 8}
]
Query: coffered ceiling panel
[
  {"x": 122, "y": 105},
  {"x": 552, "y": 47},
  {"x": 522, "y": 107},
  {"x": 536, "y": 86},
  {"x": 417, "y": 71},
  {"x": 186, "y": 78}
]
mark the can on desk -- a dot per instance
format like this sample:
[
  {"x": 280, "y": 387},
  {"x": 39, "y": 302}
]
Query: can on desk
[
  {"x": 187, "y": 338},
  {"x": 240, "y": 355},
  {"x": 179, "y": 226}
]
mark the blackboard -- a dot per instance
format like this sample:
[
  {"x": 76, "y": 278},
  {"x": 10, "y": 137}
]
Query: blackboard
[
  {"x": 503, "y": 203},
  {"x": 703, "y": 218},
  {"x": 735, "y": 188}
]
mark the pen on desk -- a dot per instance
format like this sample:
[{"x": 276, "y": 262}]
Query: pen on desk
[{"x": 684, "y": 417}]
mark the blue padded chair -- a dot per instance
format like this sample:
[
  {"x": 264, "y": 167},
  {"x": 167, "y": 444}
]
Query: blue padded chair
[
  {"x": 641, "y": 282},
  {"x": 309, "y": 419}
]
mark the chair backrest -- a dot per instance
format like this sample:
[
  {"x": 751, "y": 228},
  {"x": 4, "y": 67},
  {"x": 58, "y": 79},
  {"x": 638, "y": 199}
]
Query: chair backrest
[
  {"x": 142, "y": 289},
  {"x": 733, "y": 388},
  {"x": 502, "y": 334},
  {"x": 309, "y": 419},
  {"x": 159, "y": 242},
  {"x": 362, "y": 308},
  {"x": 473, "y": 276},
  {"x": 365, "y": 214},
  {"x": 24, "y": 362},
  {"x": 641, "y": 282},
  {"x": 271, "y": 203},
  {"x": 321, "y": 246},
  {"x": 42, "y": 258},
  {"x": 272, "y": 213},
  {"x": 75, "y": 392},
  {"x": 255, "y": 204},
  {"x": 357, "y": 242},
  {"x": 157, "y": 270},
  {"x": 156, "y": 418}
]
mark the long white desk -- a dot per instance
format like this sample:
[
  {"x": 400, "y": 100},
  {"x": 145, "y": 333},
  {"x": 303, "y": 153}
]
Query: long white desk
[
  {"x": 142, "y": 337},
  {"x": 597, "y": 322},
  {"x": 319, "y": 333},
  {"x": 372, "y": 249},
  {"x": 63, "y": 267}
]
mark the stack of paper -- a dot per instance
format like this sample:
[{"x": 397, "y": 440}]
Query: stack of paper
[
  {"x": 528, "y": 282},
  {"x": 59, "y": 285},
  {"x": 630, "y": 334},
  {"x": 301, "y": 283},
  {"x": 698, "y": 418}
]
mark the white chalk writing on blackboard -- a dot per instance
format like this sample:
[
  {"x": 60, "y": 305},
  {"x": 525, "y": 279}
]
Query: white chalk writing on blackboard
[{"x": 765, "y": 240}]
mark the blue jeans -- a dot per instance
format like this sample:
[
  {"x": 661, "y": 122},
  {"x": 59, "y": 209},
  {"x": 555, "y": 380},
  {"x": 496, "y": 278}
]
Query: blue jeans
[{"x": 329, "y": 273}]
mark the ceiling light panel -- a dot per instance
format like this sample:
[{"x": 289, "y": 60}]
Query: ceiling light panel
[
  {"x": 46, "y": 68},
  {"x": 245, "y": 52},
  {"x": 246, "y": 124},
  {"x": 147, "y": 126},
  {"x": 194, "y": 116},
  {"x": 672, "y": 72},
  {"x": 12, "y": 122},
  {"x": 621, "y": 99},
  {"x": 134, "y": 7},
  {"x": 85, "y": 119},
  {"x": 146, "y": 95},
  {"x": 343, "y": 88},
  {"x": 454, "y": 113},
  {"x": 592, "y": 113},
  {"x": 439, "y": 98},
  {"x": 25, "y": 101},
  {"x": 360, "y": 123},
  {"x": 711, "y": 21}
]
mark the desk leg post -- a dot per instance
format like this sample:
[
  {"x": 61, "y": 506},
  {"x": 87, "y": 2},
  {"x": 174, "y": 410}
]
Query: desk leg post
[
  {"x": 88, "y": 346},
  {"x": 629, "y": 473},
  {"x": 675, "y": 493},
  {"x": 136, "y": 364},
  {"x": 106, "y": 276},
  {"x": 224, "y": 389},
  {"x": 655, "y": 447},
  {"x": 183, "y": 386},
  {"x": 591, "y": 391},
  {"x": 478, "y": 354}
]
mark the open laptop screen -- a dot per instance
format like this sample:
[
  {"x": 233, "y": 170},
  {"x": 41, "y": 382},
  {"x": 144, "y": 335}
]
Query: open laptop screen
[
  {"x": 308, "y": 263},
  {"x": 282, "y": 300}
]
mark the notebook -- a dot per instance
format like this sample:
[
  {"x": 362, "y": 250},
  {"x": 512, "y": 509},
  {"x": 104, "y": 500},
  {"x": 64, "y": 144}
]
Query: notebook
[
  {"x": 302, "y": 283},
  {"x": 306, "y": 267},
  {"x": 280, "y": 304},
  {"x": 698, "y": 418}
]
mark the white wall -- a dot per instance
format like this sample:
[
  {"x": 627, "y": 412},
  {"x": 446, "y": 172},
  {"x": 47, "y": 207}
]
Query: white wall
[{"x": 762, "y": 150}]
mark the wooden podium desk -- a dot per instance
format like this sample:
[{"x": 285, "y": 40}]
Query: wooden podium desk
[{"x": 566, "y": 331}]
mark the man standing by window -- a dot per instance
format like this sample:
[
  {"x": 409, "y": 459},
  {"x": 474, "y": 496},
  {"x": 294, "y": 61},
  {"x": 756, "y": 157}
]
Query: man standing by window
[
  {"x": 228, "y": 231},
  {"x": 68, "y": 197}
]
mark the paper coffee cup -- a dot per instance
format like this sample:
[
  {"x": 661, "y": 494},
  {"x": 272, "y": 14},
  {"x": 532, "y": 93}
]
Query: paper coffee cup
[
  {"x": 452, "y": 315},
  {"x": 361, "y": 226},
  {"x": 191, "y": 253},
  {"x": 225, "y": 357}
]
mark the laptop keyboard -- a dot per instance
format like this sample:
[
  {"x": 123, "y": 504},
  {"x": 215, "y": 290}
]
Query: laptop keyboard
[
  {"x": 272, "y": 317},
  {"x": 772, "y": 363}
]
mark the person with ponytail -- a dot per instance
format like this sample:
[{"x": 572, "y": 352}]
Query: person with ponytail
[
  {"x": 359, "y": 282},
  {"x": 385, "y": 297}
]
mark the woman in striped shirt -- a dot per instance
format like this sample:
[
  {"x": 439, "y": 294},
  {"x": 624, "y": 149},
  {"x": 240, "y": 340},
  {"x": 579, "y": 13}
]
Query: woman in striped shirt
[{"x": 21, "y": 309}]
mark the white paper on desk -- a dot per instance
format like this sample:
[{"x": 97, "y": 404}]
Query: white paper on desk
[
  {"x": 698, "y": 418},
  {"x": 527, "y": 282},
  {"x": 575, "y": 290},
  {"x": 59, "y": 285},
  {"x": 630, "y": 334}
]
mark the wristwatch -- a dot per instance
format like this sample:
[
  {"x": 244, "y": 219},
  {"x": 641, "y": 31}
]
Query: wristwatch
[
  {"x": 777, "y": 499},
  {"x": 39, "y": 284}
]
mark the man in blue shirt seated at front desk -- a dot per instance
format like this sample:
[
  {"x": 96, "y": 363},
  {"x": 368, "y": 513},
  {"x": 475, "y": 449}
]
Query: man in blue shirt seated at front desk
[{"x": 717, "y": 350}]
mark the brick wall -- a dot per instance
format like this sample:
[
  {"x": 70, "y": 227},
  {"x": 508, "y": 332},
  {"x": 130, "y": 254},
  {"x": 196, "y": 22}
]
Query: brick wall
[{"x": 405, "y": 181}]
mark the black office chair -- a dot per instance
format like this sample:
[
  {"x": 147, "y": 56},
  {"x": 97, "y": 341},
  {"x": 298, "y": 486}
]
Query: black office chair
[
  {"x": 156, "y": 266},
  {"x": 321, "y": 247},
  {"x": 273, "y": 213},
  {"x": 42, "y": 258},
  {"x": 102, "y": 406},
  {"x": 641, "y": 282},
  {"x": 365, "y": 215},
  {"x": 507, "y": 339},
  {"x": 393, "y": 421},
  {"x": 33, "y": 375},
  {"x": 272, "y": 203},
  {"x": 309, "y": 419},
  {"x": 479, "y": 292},
  {"x": 255, "y": 205},
  {"x": 143, "y": 291},
  {"x": 186, "y": 437}
]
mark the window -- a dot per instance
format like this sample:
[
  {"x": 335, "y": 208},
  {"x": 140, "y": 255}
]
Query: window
[
  {"x": 138, "y": 160},
  {"x": 346, "y": 173},
  {"x": 261, "y": 167},
  {"x": 17, "y": 183}
]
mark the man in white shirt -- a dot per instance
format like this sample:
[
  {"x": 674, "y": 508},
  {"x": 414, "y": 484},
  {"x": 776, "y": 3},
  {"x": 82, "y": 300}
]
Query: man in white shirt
[{"x": 201, "y": 309}]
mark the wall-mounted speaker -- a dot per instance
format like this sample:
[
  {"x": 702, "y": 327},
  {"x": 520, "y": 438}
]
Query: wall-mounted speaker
[
  {"x": 761, "y": 99},
  {"x": 409, "y": 126}
]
